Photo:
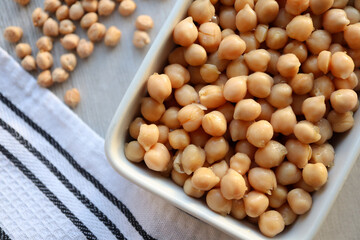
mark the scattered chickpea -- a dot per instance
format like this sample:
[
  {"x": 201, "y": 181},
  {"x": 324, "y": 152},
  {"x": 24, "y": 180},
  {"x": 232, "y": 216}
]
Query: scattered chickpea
[
  {"x": 144, "y": 22},
  {"x": 22, "y": 2},
  {"x": 66, "y": 27},
  {"x": 51, "y": 5},
  {"x": 127, "y": 7},
  {"x": 84, "y": 48},
  {"x": 105, "y": 7},
  {"x": 62, "y": 12},
  {"x": 72, "y": 99},
  {"x": 28, "y": 63},
  {"x": 112, "y": 36},
  {"x": 88, "y": 19},
  {"x": 141, "y": 38},
  {"x": 96, "y": 32},
  {"x": 13, "y": 34},
  {"x": 59, "y": 75},
  {"x": 22, "y": 50},
  {"x": 70, "y": 41},
  {"x": 44, "y": 60},
  {"x": 51, "y": 28},
  {"x": 39, "y": 17},
  {"x": 44, "y": 79},
  {"x": 76, "y": 11},
  {"x": 68, "y": 61}
]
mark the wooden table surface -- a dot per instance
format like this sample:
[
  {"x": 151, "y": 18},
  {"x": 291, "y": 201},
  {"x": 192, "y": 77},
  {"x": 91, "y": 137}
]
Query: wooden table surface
[{"x": 103, "y": 78}]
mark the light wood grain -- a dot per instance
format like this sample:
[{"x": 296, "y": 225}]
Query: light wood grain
[{"x": 104, "y": 77}]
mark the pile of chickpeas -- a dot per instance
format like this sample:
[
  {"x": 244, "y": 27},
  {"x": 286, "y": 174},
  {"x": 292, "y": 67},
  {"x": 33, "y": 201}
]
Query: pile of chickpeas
[
  {"x": 252, "y": 94},
  {"x": 84, "y": 11}
]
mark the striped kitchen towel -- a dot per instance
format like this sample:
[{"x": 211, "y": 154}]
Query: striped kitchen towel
[{"x": 55, "y": 181}]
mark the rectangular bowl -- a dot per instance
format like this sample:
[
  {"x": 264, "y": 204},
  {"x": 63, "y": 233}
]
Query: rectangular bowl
[{"x": 347, "y": 148}]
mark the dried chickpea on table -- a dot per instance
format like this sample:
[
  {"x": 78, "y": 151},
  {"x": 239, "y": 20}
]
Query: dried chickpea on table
[{"x": 247, "y": 103}]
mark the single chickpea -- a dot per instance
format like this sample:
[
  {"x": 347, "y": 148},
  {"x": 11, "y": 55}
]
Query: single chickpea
[
  {"x": 266, "y": 110},
  {"x": 288, "y": 215},
  {"x": 209, "y": 36},
  {"x": 68, "y": 61},
  {"x": 343, "y": 100},
  {"x": 298, "y": 153},
  {"x": 261, "y": 32},
  {"x": 134, "y": 151},
  {"x": 177, "y": 74},
  {"x": 28, "y": 63},
  {"x": 311, "y": 66},
  {"x": 190, "y": 117},
  {"x": 240, "y": 4},
  {"x": 246, "y": 19},
  {"x": 211, "y": 96},
  {"x": 237, "y": 67},
  {"x": 323, "y": 61},
  {"x": 204, "y": 179},
  {"x": 287, "y": 173},
  {"x": 318, "y": 41},
  {"x": 76, "y": 11},
  {"x": 134, "y": 128},
  {"x": 70, "y": 41},
  {"x": 22, "y": 2},
  {"x": 144, "y": 22},
  {"x": 199, "y": 137},
  {"x": 349, "y": 83},
  {"x": 220, "y": 169},
  {"x": 266, "y": 11},
  {"x": 96, "y": 32},
  {"x": 209, "y": 73},
  {"x": 326, "y": 131},
  {"x": 152, "y": 110},
  {"x": 127, "y": 7},
  {"x": 259, "y": 84},
  {"x": 278, "y": 196},
  {"x": 44, "y": 79},
  {"x": 352, "y": 36},
  {"x": 39, "y": 17},
  {"x": 44, "y": 44},
  {"x": 51, "y": 5},
  {"x": 90, "y": 5},
  {"x": 288, "y": 65},
  {"x": 217, "y": 202},
  {"x": 257, "y": 60},
  {"x": 51, "y": 28},
  {"x": 66, "y": 26},
  {"x": 259, "y": 133},
  {"x": 72, "y": 97},
  {"x": 276, "y": 38},
  {"x": 190, "y": 190},
  {"x": 340, "y": 122},
  {"x": 302, "y": 83},
  {"x": 193, "y": 158},
  {"x": 280, "y": 95},
  {"x": 185, "y": 32},
  {"x": 243, "y": 146},
  {"x": 227, "y": 18},
  {"x": 271, "y": 155},
  {"x": 112, "y": 36},
  {"x": 238, "y": 209},
  {"x": 240, "y": 162},
  {"x": 341, "y": 65},
  {"x": 163, "y": 134},
  {"x": 306, "y": 132},
  {"x": 185, "y": 95},
  {"x": 105, "y": 7},
  {"x": 44, "y": 60},
  {"x": 255, "y": 203},
  {"x": 216, "y": 149},
  {"x": 13, "y": 34},
  {"x": 250, "y": 41},
  {"x": 177, "y": 57},
  {"x": 296, "y": 7},
  {"x": 232, "y": 185},
  {"x": 314, "y": 108},
  {"x": 62, "y": 12},
  {"x": 214, "y": 123},
  {"x": 179, "y": 178},
  {"x": 88, "y": 19},
  {"x": 299, "y": 49},
  {"x": 59, "y": 75},
  {"x": 159, "y": 86},
  {"x": 148, "y": 136},
  {"x": 319, "y": 7},
  {"x": 283, "y": 121},
  {"x": 299, "y": 201},
  {"x": 22, "y": 50},
  {"x": 231, "y": 47},
  {"x": 226, "y": 32},
  {"x": 195, "y": 55},
  {"x": 274, "y": 57},
  {"x": 157, "y": 158},
  {"x": 271, "y": 223},
  {"x": 201, "y": 11},
  {"x": 335, "y": 20},
  {"x": 179, "y": 139},
  {"x": 300, "y": 27},
  {"x": 85, "y": 48},
  {"x": 238, "y": 129},
  {"x": 141, "y": 38},
  {"x": 235, "y": 89},
  {"x": 352, "y": 14},
  {"x": 315, "y": 175},
  {"x": 170, "y": 118},
  {"x": 323, "y": 153},
  {"x": 323, "y": 86},
  {"x": 247, "y": 110}
]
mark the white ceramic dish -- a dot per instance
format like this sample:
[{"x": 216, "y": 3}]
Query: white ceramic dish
[{"x": 347, "y": 149}]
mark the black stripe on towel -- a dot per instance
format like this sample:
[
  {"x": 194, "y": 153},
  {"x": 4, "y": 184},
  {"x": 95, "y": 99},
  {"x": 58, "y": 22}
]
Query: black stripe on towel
[
  {"x": 122, "y": 207},
  {"x": 51, "y": 196},
  {"x": 76, "y": 192},
  {"x": 3, "y": 235}
]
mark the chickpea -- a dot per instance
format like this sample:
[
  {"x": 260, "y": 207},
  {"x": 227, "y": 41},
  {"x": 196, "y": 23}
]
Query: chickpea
[
  {"x": 302, "y": 83},
  {"x": 84, "y": 48},
  {"x": 278, "y": 196},
  {"x": 195, "y": 55},
  {"x": 141, "y": 38},
  {"x": 335, "y": 20},
  {"x": 76, "y": 11},
  {"x": 323, "y": 61},
  {"x": 311, "y": 66},
  {"x": 62, "y": 12},
  {"x": 250, "y": 41},
  {"x": 177, "y": 74},
  {"x": 315, "y": 175},
  {"x": 22, "y": 2},
  {"x": 323, "y": 86},
  {"x": 299, "y": 201},
  {"x": 259, "y": 84},
  {"x": 271, "y": 155},
  {"x": 59, "y": 75},
  {"x": 237, "y": 67},
  {"x": 209, "y": 73},
  {"x": 343, "y": 100},
  {"x": 261, "y": 32},
  {"x": 307, "y": 132},
  {"x": 152, "y": 110},
  {"x": 88, "y": 19},
  {"x": 69, "y": 2},
  {"x": 44, "y": 44},
  {"x": 51, "y": 5},
  {"x": 259, "y": 133},
  {"x": 227, "y": 2},
  {"x": 96, "y": 32},
  {"x": 288, "y": 65},
  {"x": 247, "y": 110},
  {"x": 240, "y": 162},
  {"x": 340, "y": 3},
  {"x": 232, "y": 185},
  {"x": 185, "y": 32},
  {"x": 341, "y": 65},
  {"x": 283, "y": 121},
  {"x": 283, "y": 18},
  {"x": 201, "y": 11},
  {"x": 28, "y": 63},
  {"x": 227, "y": 18},
  {"x": 238, "y": 209},
  {"x": 246, "y": 19},
  {"x": 266, "y": 11},
  {"x": 157, "y": 158},
  {"x": 105, "y": 7},
  {"x": 314, "y": 108},
  {"x": 341, "y": 122},
  {"x": 170, "y": 118},
  {"x": 68, "y": 61},
  {"x": 211, "y": 96},
  {"x": 39, "y": 17},
  {"x": 134, "y": 151},
  {"x": 44, "y": 79},
  {"x": 288, "y": 215},
  {"x": 216, "y": 149},
  {"x": 209, "y": 36},
  {"x": 276, "y": 38},
  {"x": 66, "y": 26},
  {"x": 298, "y": 49},
  {"x": 296, "y": 7},
  {"x": 193, "y": 158},
  {"x": 300, "y": 27},
  {"x": 127, "y": 7},
  {"x": 352, "y": 14},
  {"x": 238, "y": 129},
  {"x": 255, "y": 203},
  {"x": 190, "y": 117},
  {"x": 287, "y": 173},
  {"x": 352, "y": 36},
  {"x": 257, "y": 60},
  {"x": 318, "y": 41},
  {"x": 148, "y": 136},
  {"x": 266, "y": 110},
  {"x": 22, "y": 50},
  {"x": 163, "y": 134},
  {"x": 51, "y": 28},
  {"x": 240, "y": 4},
  {"x": 298, "y": 153},
  {"x": 336, "y": 47},
  {"x": 280, "y": 95},
  {"x": 184, "y": 95},
  {"x": 274, "y": 57},
  {"x": 204, "y": 179},
  {"x": 90, "y": 5},
  {"x": 271, "y": 223},
  {"x": 221, "y": 64},
  {"x": 214, "y": 123},
  {"x": 134, "y": 128},
  {"x": 44, "y": 60},
  {"x": 349, "y": 83},
  {"x": 217, "y": 202},
  {"x": 70, "y": 41},
  {"x": 226, "y": 32},
  {"x": 177, "y": 57},
  {"x": 243, "y": 146},
  {"x": 179, "y": 139},
  {"x": 159, "y": 86},
  {"x": 228, "y": 110},
  {"x": 326, "y": 131},
  {"x": 179, "y": 178},
  {"x": 231, "y": 47},
  {"x": 320, "y": 6},
  {"x": 323, "y": 153},
  {"x": 144, "y": 22}
]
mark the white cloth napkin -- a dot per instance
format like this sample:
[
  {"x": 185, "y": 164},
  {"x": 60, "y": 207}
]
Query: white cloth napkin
[{"x": 55, "y": 181}]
